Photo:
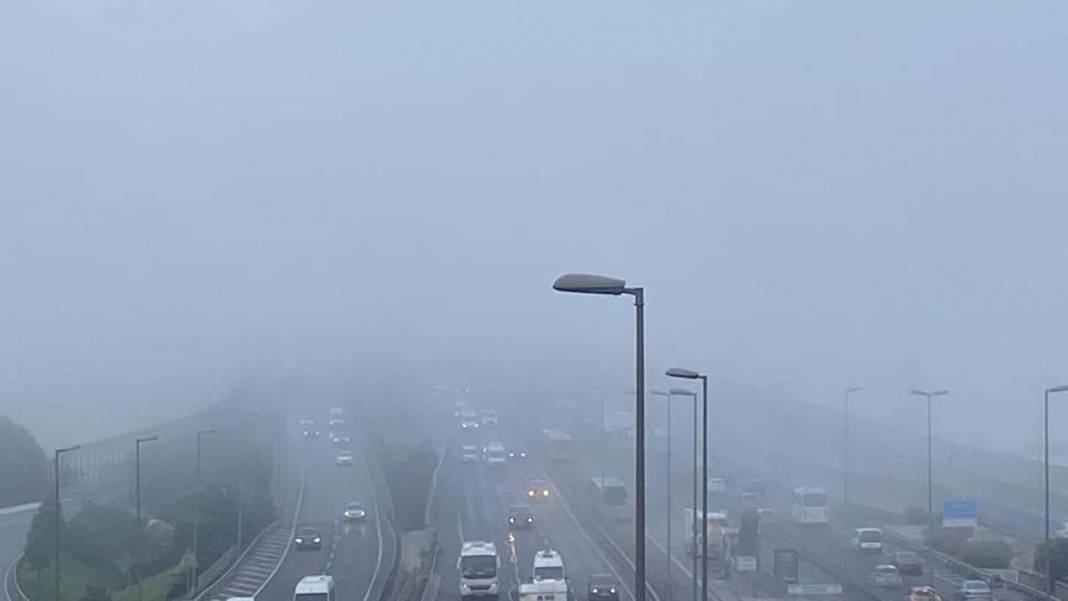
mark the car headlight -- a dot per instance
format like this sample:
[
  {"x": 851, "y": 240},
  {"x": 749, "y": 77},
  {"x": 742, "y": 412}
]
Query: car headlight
[
  {"x": 299, "y": 540},
  {"x": 545, "y": 492},
  {"x": 530, "y": 520},
  {"x": 530, "y": 493},
  {"x": 316, "y": 539},
  {"x": 511, "y": 520},
  {"x": 612, "y": 590}
]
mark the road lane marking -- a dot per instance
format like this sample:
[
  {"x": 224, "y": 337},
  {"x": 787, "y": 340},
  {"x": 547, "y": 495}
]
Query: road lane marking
[{"x": 378, "y": 529}]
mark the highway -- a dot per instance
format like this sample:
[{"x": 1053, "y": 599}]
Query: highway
[
  {"x": 357, "y": 554},
  {"x": 13, "y": 529}
]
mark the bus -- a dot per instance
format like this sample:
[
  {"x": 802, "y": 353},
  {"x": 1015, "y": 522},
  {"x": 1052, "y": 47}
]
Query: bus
[
  {"x": 559, "y": 445},
  {"x": 810, "y": 505},
  {"x": 608, "y": 496},
  {"x": 315, "y": 588}
]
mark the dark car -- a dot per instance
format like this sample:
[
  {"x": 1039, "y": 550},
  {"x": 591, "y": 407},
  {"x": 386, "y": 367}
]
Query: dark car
[
  {"x": 308, "y": 537},
  {"x": 909, "y": 563},
  {"x": 520, "y": 516},
  {"x": 603, "y": 587}
]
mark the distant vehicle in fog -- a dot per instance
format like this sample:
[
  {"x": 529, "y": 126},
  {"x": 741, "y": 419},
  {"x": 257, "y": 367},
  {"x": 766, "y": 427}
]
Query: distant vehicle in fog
[
  {"x": 308, "y": 429},
  {"x": 886, "y": 576},
  {"x": 469, "y": 424},
  {"x": 314, "y": 588},
  {"x": 548, "y": 565},
  {"x": 867, "y": 539},
  {"x": 608, "y": 496},
  {"x": 469, "y": 453},
  {"x": 495, "y": 454},
  {"x": 603, "y": 587},
  {"x": 810, "y": 505},
  {"x": 974, "y": 590},
  {"x": 753, "y": 490},
  {"x": 924, "y": 593},
  {"x": 308, "y": 538},
  {"x": 354, "y": 511},
  {"x": 538, "y": 489},
  {"x": 559, "y": 445},
  {"x": 345, "y": 458},
  {"x": 341, "y": 438},
  {"x": 517, "y": 455},
  {"x": 908, "y": 563},
  {"x": 520, "y": 516},
  {"x": 718, "y": 529}
]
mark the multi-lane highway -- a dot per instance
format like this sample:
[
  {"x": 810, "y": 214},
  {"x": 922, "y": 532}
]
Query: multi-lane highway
[{"x": 357, "y": 553}]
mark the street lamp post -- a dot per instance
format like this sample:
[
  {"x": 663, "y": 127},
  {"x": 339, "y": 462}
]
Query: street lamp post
[
  {"x": 688, "y": 374},
  {"x": 930, "y": 500},
  {"x": 1049, "y": 549},
  {"x": 58, "y": 519},
  {"x": 667, "y": 395},
  {"x": 845, "y": 444},
  {"x": 597, "y": 284},
  {"x": 196, "y": 517},
  {"x": 140, "y": 530},
  {"x": 693, "y": 522}
]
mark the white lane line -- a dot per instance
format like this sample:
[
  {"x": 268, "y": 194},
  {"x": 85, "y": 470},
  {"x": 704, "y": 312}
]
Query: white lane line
[
  {"x": 292, "y": 533},
  {"x": 589, "y": 539},
  {"x": 7, "y": 578},
  {"x": 378, "y": 529}
]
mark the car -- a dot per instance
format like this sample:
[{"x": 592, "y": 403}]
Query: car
[
  {"x": 308, "y": 429},
  {"x": 354, "y": 511},
  {"x": 974, "y": 590},
  {"x": 490, "y": 422},
  {"x": 469, "y": 424},
  {"x": 603, "y": 587},
  {"x": 336, "y": 422},
  {"x": 345, "y": 458},
  {"x": 341, "y": 438},
  {"x": 520, "y": 516},
  {"x": 469, "y": 453},
  {"x": 924, "y": 593},
  {"x": 869, "y": 540},
  {"x": 538, "y": 489},
  {"x": 517, "y": 454},
  {"x": 908, "y": 563},
  {"x": 886, "y": 576},
  {"x": 308, "y": 538}
]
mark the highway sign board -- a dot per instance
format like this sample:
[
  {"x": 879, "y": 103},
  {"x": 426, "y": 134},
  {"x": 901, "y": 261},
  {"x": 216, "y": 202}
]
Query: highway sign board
[
  {"x": 802, "y": 590},
  {"x": 786, "y": 565},
  {"x": 745, "y": 563},
  {"x": 960, "y": 513}
]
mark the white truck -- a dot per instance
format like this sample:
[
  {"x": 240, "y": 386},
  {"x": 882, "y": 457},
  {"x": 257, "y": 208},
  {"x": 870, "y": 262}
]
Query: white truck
[
  {"x": 718, "y": 532},
  {"x": 546, "y": 590},
  {"x": 495, "y": 454},
  {"x": 478, "y": 565}
]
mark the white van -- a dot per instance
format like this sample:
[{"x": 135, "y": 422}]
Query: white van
[
  {"x": 548, "y": 566},
  {"x": 478, "y": 564},
  {"x": 868, "y": 539},
  {"x": 315, "y": 588}
]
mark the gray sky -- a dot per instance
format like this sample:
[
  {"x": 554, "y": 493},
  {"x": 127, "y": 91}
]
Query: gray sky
[{"x": 815, "y": 194}]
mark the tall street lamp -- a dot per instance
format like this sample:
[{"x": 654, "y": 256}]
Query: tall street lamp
[
  {"x": 1049, "y": 549},
  {"x": 667, "y": 395},
  {"x": 693, "y": 522},
  {"x": 140, "y": 530},
  {"x": 598, "y": 284},
  {"x": 196, "y": 517},
  {"x": 689, "y": 374},
  {"x": 930, "y": 502},
  {"x": 58, "y": 517},
  {"x": 845, "y": 444}
]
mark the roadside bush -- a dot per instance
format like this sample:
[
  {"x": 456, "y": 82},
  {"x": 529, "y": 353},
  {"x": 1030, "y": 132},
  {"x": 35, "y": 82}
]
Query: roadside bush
[
  {"x": 989, "y": 554},
  {"x": 40, "y": 540}
]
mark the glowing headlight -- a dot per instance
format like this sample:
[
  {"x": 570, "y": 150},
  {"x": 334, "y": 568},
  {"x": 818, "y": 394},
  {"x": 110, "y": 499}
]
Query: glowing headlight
[
  {"x": 299, "y": 541},
  {"x": 545, "y": 492},
  {"x": 315, "y": 540},
  {"x": 531, "y": 493},
  {"x": 612, "y": 590}
]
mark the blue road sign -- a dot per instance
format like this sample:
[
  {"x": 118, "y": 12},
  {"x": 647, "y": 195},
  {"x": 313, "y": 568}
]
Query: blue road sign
[{"x": 960, "y": 513}]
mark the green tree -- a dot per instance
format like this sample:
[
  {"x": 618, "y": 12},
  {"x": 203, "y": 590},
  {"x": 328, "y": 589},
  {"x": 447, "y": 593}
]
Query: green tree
[
  {"x": 23, "y": 465},
  {"x": 41, "y": 539},
  {"x": 1058, "y": 558}
]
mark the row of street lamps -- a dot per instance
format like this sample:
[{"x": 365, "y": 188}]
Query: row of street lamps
[
  {"x": 137, "y": 478},
  {"x": 603, "y": 285},
  {"x": 597, "y": 284}
]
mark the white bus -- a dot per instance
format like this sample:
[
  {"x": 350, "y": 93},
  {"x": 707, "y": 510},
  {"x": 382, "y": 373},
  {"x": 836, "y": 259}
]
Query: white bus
[
  {"x": 478, "y": 566},
  {"x": 810, "y": 505},
  {"x": 608, "y": 496},
  {"x": 315, "y": 588},
  {"x": 559, "y": 445}
]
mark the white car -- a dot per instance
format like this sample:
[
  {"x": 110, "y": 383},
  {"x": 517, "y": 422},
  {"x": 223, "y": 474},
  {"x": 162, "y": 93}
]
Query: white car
[
  {"x": 868, "y": 539},
  {"x": 886, "y": 576},
  {"x": 345, "y": 458},
  {"x": 354, "y": 511},
  {"x": 469, "y": 453}
]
